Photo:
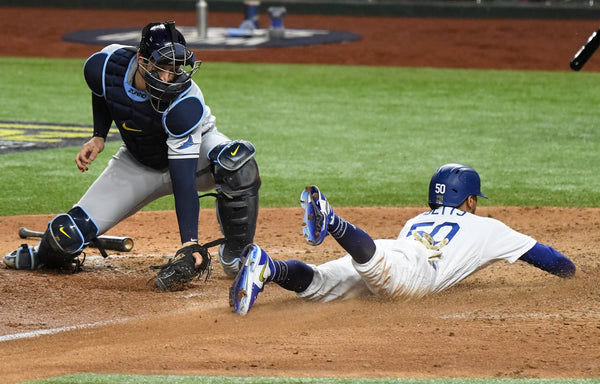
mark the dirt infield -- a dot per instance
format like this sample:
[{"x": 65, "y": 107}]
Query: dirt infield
[{"x": 504, "y": 321}]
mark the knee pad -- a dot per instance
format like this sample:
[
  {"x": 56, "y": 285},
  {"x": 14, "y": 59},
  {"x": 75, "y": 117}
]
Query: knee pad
[
  {"x": 66, "y": 237},
  {"x": 235, "y": 170}
]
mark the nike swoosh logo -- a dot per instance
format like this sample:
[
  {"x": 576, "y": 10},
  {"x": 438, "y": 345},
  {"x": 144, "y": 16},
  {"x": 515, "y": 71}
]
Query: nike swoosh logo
[
  {"x": 236, "y": 151},
  {"x": 261, "y": 278},
  {"x": 125, "y": 127},
  {"x": 62, "y": 230}
]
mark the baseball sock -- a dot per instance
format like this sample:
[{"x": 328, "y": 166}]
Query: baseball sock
[
  {"x": 353, "y": 239},
  {"x": 292, "y": 275}
]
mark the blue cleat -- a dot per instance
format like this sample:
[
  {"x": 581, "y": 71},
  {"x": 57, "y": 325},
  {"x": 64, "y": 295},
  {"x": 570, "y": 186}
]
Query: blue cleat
[
  {"x": 317, "y": 215},
  {"x": 251, "y": 279}
]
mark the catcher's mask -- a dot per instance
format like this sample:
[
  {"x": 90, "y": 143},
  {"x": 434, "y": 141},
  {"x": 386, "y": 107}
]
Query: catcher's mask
[
  {"x": 163, "y": 50},
  {"x": 451, "y": 184}
]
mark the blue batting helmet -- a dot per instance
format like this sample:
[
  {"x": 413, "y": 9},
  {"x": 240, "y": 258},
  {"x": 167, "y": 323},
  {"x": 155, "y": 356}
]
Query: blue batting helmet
[{"x": 451, "y": 184}]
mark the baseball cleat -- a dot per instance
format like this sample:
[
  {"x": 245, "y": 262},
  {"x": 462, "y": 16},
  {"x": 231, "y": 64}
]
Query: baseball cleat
[
  {"x": 251, "y": 279},
  {"x": 23, "y": 258},
  {"x": 317, "y": 215},
  {"x": 231, "y": 268}
]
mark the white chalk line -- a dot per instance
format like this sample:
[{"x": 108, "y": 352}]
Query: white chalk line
[
  {"x": 52, "y": 331},
  {"x": 533, "y": 315}
]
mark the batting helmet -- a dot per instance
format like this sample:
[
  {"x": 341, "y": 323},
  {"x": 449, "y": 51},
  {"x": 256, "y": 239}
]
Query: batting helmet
[
  {"x": 451, "y": 184},
  {"x": 162, "y": 45}
]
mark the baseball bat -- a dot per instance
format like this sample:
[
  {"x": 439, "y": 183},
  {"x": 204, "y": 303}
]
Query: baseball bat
[
  {"x": 586, "y": 51},
  {"x": 114, "y": 243}
]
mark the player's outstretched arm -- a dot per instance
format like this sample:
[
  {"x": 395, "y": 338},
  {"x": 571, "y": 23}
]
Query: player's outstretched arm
[{"x": 550, "y": 260}]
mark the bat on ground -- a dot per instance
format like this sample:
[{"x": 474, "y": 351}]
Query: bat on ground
[
  {"x": 585, "y": 52},
  {"x": 114, "y": 243}
]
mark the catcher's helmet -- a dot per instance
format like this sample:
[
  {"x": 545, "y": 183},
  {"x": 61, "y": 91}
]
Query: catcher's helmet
[
  {"x": 451, "y": 184},
  {"x": 163, "y": 45}
]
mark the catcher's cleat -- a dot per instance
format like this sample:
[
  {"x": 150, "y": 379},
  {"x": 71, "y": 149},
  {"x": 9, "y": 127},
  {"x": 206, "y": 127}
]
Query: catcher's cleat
[
  {"x": 23, "y": 258},
  {"x": 251, "y": 279},
  {"x": 231, "y": 268},
  {"x": 317, "y": 215}
]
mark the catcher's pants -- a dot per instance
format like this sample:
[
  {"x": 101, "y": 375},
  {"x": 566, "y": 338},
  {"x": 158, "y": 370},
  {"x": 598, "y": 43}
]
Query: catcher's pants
[
  {"x": 399, "y": 268},
  {"x": 126, "y": 186}
]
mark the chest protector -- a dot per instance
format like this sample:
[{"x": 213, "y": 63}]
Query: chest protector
[{"x": 139, "y": 124}]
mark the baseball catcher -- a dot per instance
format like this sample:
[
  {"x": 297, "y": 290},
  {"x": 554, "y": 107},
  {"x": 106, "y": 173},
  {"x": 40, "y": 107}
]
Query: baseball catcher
[{"x": 171, "y": 145}]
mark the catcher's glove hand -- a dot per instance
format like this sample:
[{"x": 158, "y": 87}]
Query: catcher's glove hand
[{"x": 181, "y": 269}]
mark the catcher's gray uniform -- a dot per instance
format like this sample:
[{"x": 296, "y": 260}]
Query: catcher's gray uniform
[
  {"x": 108, "y": 203},
  {"x": 171, "y": 146}
]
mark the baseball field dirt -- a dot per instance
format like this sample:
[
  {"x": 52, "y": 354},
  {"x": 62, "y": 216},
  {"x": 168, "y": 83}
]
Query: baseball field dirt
[{"x": 505, "y": 321}]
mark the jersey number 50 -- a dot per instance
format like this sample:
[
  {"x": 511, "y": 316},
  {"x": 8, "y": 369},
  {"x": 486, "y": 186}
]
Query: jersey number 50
[{"x": 449, "y": 228}]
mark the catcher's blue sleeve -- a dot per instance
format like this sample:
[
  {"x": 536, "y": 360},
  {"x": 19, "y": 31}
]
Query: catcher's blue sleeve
[
  {"x": 187, "y": 206},
  {"x": 102, "y": 117},
  {"x": 550, "y": 260}
]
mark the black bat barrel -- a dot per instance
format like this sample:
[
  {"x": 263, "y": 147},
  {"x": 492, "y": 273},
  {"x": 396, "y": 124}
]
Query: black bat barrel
[
  {"x": 116, "y": 243},
  {"x": 584, "y": 54}
]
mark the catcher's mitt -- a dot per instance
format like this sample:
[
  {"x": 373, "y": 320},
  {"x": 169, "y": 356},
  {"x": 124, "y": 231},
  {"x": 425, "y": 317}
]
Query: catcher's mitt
[{"x": 181, "y": 269}]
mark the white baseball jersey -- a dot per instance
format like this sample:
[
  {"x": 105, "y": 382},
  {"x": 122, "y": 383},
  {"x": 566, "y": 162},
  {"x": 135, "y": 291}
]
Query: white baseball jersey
[{"x": 402, "y": 268}]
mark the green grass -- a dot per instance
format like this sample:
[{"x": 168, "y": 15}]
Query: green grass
[
  {"x": 116, "y": 379},
  {"x": 367, "y": 136}
]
